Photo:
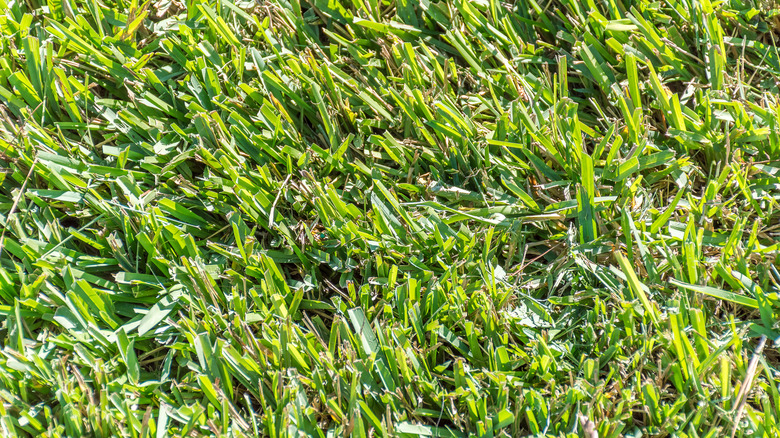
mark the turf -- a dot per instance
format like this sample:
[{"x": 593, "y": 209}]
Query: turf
[{"x": 389, "y": 218}]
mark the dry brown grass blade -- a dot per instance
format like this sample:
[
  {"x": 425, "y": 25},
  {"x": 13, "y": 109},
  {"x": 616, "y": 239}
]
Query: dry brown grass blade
[
  {"x": 588, "y": 427},
  {"x": 747, "y": 384}
]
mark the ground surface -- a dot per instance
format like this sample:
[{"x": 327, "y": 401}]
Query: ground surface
[{"x": 451, "y": 218}]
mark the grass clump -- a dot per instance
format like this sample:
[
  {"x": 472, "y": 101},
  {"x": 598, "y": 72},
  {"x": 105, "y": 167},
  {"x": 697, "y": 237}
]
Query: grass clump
[{"x": 371, "y": 218}]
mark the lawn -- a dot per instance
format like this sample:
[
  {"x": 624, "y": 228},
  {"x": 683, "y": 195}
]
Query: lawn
[{"x": 389, "y": 218}]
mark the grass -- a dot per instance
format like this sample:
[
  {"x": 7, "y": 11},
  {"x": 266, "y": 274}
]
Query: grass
[{"x": 389, "y": 218}]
